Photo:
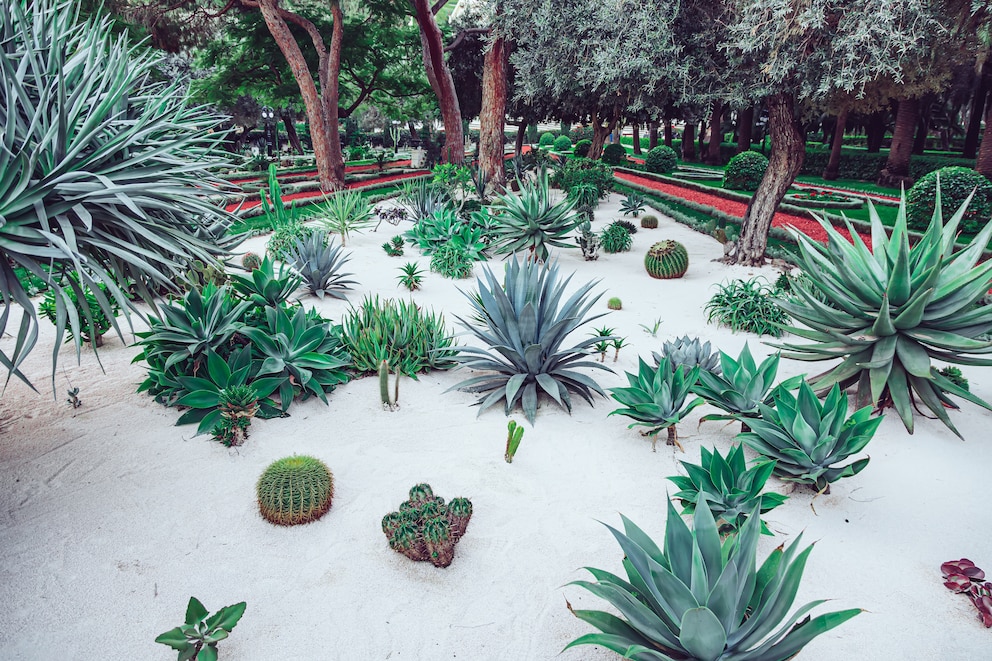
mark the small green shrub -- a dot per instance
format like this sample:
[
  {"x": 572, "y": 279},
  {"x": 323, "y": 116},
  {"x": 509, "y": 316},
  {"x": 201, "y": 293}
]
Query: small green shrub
[
  {"x": 295, "y": 490},
  {"x": 614, "y": 154},
  {"x": 747, "y": 305},
  {"x": 411, "y": 276},
  {"x": 90, "y": 329},
  {"x": 954, "y": 375},
  {"x": 197, "y": 638},
  {"x": 615, "y": 238},
  {"x": 627, "y": 225},
  {"x": 578, "y": 171},
  {"x": 581, "y": 148},
  {"x": 451, "y": 262},
  {"x": 956, "y": 184},
  {"x": 744, "y": 171},
  {"x": 649, "y": 222},
  {"x": 585, "y": 196},
  {"x": 661, "y": 160},
  {"x": 547, "y": 141},
  {"x": 562, "y": 143}
]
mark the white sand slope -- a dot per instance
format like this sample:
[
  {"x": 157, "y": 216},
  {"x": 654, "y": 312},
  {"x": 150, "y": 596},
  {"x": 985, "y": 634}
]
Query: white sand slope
[{"x": 111, "y": 517}]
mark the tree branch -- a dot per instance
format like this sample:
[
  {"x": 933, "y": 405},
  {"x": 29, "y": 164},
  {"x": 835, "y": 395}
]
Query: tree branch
[{"x": 462, "y": 35}]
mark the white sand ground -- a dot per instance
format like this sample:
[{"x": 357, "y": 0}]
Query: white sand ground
[{"x": 111, "y": 517}]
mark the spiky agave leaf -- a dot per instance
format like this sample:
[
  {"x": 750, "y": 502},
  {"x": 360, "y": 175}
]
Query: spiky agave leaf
[
  {"x": 265, "y": 286},
  {"x": 700, "y": 598},
  {"x": 318, "y": 260},
  {"x": 740, "y": 386},
  {"x": 532, "y": 222},
  {"x": 103, "y": 174},
  {"x": 689, "y": 352},
  {"x": 657, "y": 397},
  {"x": 808, "y": 438},
  {"x": 891, "y": 309},
  {"x": 524, "y": 322}
]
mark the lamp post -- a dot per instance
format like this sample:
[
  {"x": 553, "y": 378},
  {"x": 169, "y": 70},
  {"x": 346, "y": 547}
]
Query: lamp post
[
  {"x": 271, "y": 137},
  {"x": 394, "y": 133}
]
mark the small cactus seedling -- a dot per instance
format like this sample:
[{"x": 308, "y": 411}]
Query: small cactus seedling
[
  {"x": 649, "y": 222},
  {"x": 425, "y": 528},
  {"x": 238, "y": 405},
  {"x": 388, "y": 403},
  {"x": 606, "y": 338},
  {"x": 73, "y": 399},
  {"x": 614, "y": 304},
  {"x": 515, "y": 433},
  {"x": 394, "y": 248}
]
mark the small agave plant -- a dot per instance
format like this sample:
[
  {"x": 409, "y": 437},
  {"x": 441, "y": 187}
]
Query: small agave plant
[
  {"x": 808, "y": 438},
  {"x": 238, "y": 405},
  {"x": 689, "y": 352},
  {"x": 700, "y": 598},
  {"x": 657, "y": 398},
  {"x": 730, "y": 489},
  {"x": 318, "y": 261}
]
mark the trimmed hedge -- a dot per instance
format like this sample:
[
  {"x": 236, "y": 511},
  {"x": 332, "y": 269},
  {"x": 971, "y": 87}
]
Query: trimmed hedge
[
  {"x": 614, "y": 154},
  {"x": 661, "y": 160},
  {"x": 744, "y": 171},
  {"x": 581, "y": 148},
  {"x": 547, "y": 140},
  {"x": 863, "y": 166},
  {"x": 562, "y": 143},
  {"x": 956, "y": 184}
]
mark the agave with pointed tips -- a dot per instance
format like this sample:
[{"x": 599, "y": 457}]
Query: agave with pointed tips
[
  {"x": 657, "y": 398},
  {"x": 689, "y": 352},
  {"x": 891, "y": 309},
  {"x": 700, "y": 599},
  {"x": 524, "y": 321},
  {"x": 532, "y": 222},
  {"x": 318, "y": 261}
]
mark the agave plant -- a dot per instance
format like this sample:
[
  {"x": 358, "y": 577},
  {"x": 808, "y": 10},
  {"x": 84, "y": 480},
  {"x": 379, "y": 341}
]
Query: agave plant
[
  {"x": 689, "y": 352},
  {"x": 266, "y": 286},
  {"x": 524, "y": 320},
  {"x": 443, "y": 227},
  {"x": 532, "y": 222},
  {"x": 656, "y": 398},
  {"x": 808, "y": 439},
  {"x": 421, "y": 198},
  {"x": 345, "y": 212},
  {"x": 891, "y": 309},
  {"x": 740, "y": 387},
  {"x": 730, "y": 489},
  {"x": 703, "y": 599},
  {"x": 318, "y": 261},
  {"x": 301, "y": 351},
  {"x": 107, "y": 175},
  {"x": 632, "y": 205}
]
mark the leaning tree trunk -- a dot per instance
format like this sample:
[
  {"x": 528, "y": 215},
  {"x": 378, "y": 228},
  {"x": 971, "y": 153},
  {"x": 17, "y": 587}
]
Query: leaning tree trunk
[
  {"x": 784, "y": 162},
  {"x": 441, "y": 82},
  {"x": 689, "y": 142},
  {"x": 983, "y": 163},
  {"x": 652, "y": 135},
  {"x": 332, "y": 94},
  {"x": 702, "y": 136},
  {"x": 636, "y": 129},
  {"x": 294, "y": 138},
  {"x": 977, "y": 112},
  {"x": 833, "y": 165},
  {"x": 745, "y": 125},
  {"x": 518, "y": 147},
  {"x": 896, "y": 171},
  {"x": 308, "y": 90},
  {"x": 599, "y": 134},
  {"x": 923, "y": 125},
  {"x": 716, "y": 135},
  {"x": 492, "y": 115}
]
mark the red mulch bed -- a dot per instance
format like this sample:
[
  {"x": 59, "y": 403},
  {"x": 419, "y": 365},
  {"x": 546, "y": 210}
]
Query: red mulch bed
[
  {"x": 808, "y": 227},
  {"x": 306, "y": 195}
]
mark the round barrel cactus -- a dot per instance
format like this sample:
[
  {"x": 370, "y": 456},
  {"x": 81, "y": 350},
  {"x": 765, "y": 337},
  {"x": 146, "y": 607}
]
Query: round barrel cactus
[
  {"x": 295, "y": 490},
  {"x": 667, "y": 259}
]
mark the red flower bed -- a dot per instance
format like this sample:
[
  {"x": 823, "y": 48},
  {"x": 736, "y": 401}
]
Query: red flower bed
[
  {"x": 734, "y": 208},
  {"x": 306, "y": 195}
]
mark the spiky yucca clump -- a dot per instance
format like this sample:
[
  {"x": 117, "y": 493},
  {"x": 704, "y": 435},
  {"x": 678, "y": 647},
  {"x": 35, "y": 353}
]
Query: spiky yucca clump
[
  {"x": 318, "y": 261},
  {"x": 295, "y": 490},
  {"x": 649, "y": 222},
  {"x": 615, "y": 238},
  {"x": 251, "y": 261},
  {"x": 667, "y": 259}
]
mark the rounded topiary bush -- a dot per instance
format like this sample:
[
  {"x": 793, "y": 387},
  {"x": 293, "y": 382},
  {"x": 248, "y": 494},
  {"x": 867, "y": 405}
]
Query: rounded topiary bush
[
  {"x": 744, "y": 171},
  {"x": 562, "y": 143},
  {"x": 667, "y": 259},
  {"x": 661, "y": 160},
  {"x": 956, "y": 184},
  {"x": 582, "y": 148},
  {"x": 649, "y": 222},
  {"x": 547, "y": 140},
  {"x": 295, "y": 490},
  {"x": 614, "y": 154}
]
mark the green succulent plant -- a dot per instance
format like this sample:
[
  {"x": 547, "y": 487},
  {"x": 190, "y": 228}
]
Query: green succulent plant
[
  {"x": 318, "y": 262},
  {"x": 632, "y": 205},
  {"x": 525, "y": 322},
  {"x": 741, "y": 386},
  {"x": 443, "y": 226},
  {"x": 730, "y": 489},
  {"x": 420, "y": 198},
  {"x": 295, "y": 490},
  {"x": 747, "y": 305},
  {"x": 807, "y": 438},
  {"x": 531, "y": 222},
  {"x": 346, "y": 212},
  {"x": 689, "y": 352},
  {"x": 91, "y": 322},
  {"x": 657, "y": 398},
  {"x": 197, "y": 638},
  {"x": 585, "y": 195},
  {"x": 238, "y": 405},
  {"x": 451, "y": 262},
  {"x": 666, "y": 259},
  {"x": 892, "y": 309},
  {"x": 702, "y": 599},
  {"x": 615, "y": 238},
  {"x": 266, "y": 286}
]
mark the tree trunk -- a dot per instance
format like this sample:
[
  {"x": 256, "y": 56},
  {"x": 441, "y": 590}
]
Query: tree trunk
[
  {"x": 702, "y": 136},
  {"x": 875, "y": 131},
  {"x": 492, "y": 115},
  {"x": 308, "y": 90},
  {"x": 441, "y": 82},
  {"x": 896, "y": 171},
  {"x": 923, "y": 125},
  {"x": 521, "y": 134},
  {"x": 784, "y": 162},
  {"x": 599, "y": 134},
  {"x": 332, "y": 95},
  {"x": 745, "y": 124},
  {"x": 689, "y": 142},
  {"x": 668, "y": 133},
  {"x": 977, "y": 112},
  {"x": 636, "y": 129},
  {"x": 294, "y": 138},
  {"x": 716, "y": 134},
  {"x": 652, "y": 135},
  {"x": 833, "y": 165},
  {"x": 983, "y": 163}
]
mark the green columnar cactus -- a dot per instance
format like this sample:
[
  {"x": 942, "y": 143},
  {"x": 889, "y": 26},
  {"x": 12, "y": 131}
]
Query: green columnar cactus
[
  {"x": 667, "y": 259},
  {"x": 391, "y": 522},
  {"x": 421, "y": 493},
  {"x": 387, "y": 403},
  {"x": 459, "y": 514},
  {"x": 425, "y": 528},
  {"x": 439, "y": 540},
  {"x": 407, "y": 540},
  {"x": 295, "y": 490},
  {"x": 515, "y": 433}
]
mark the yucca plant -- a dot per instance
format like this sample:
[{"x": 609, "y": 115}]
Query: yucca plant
[
  {"x": 730, "y": 489},
  {"x": 702, "y": 599},
  {"x": 421, "y": 198},
  {"x": 658, "y": 398},
  {"x": 524, "y": 320},
  {"x": 689, "y": 352},
  {"x": 584, "y": 195},
  {"x": 318, "y": 261},
  {"x": 532, "y": 222},
  {"x": 266, "y": 286},
  {"x": 892, "y": 309},
  {"x": 740, "y": 387},
  {"x": 106, "y": 174},
  {"x": 808, "y": 438},
  {"x": 346, "y": 212}
]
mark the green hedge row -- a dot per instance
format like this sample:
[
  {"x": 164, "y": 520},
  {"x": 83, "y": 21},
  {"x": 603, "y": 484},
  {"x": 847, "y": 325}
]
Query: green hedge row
[{"x": 864, "y": 166}]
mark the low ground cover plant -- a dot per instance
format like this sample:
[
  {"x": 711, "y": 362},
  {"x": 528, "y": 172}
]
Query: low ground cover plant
[{"x": 747, "y": 305}]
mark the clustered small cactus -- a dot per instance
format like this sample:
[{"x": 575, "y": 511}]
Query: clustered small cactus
[
  {"x": 251, "y": 261},
  {"x": 295, "y": 490},
  {"x": 964, "y": 577},
  {"x": 425, "y": 528},
  {"x": 667, "y": 259}
]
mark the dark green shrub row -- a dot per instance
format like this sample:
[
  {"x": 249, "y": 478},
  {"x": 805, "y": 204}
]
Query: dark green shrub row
[
  {"x": 863, "y": 166},
  {"x": 956, "y": 184}
]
